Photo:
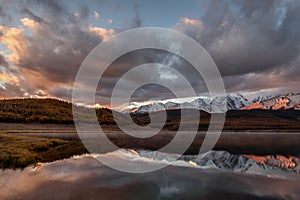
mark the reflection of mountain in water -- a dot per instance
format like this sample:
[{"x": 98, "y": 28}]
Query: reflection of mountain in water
[
  {"x": 192, "y": 177},
  {"x": 223, "y": 160}
]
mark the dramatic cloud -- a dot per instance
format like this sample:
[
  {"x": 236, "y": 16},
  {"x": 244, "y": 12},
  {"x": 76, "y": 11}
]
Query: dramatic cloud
[
  {"x": 255, "y": 42},
  {"x": 255, "y": 45},
  {"x": 249, "y": 36},
  {"x": 8, "y": 78},
  {"x": 54, "y": 49}
]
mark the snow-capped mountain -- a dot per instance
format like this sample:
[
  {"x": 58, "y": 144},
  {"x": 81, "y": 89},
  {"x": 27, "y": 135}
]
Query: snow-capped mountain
[
  {"x": 218, "y": 104},
  {"x": 284, "y": 102}
]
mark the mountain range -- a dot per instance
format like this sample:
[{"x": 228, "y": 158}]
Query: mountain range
[
  {"x": 239, "y": 117},
  {"x": 221, "y": 104}
]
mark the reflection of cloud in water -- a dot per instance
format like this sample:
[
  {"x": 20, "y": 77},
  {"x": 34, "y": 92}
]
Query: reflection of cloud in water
[{"x": 83, "y": 177}]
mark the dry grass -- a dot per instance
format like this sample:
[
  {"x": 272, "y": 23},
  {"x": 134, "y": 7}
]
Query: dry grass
[{"x": 17, "y": 151}]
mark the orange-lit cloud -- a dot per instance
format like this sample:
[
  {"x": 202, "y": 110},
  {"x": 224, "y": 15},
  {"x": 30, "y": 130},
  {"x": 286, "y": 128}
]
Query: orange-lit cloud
[
  {"x": 104, "y": 33},
  {"x": 53, "y": 39},
  {"x": 194, "y": 22},
  {"x": 9, "y": 78},
  {"x": 29, "y": 23},
  {"x": 15, "y": 41},
  {"x": 37, "y": 80}
]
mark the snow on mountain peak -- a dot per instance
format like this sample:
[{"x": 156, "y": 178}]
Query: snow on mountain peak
[
  {"x": 284, "y": 102},
  {"x": 216, "y": 104}
]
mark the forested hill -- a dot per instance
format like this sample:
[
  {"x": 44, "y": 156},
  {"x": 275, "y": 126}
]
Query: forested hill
[{"x": 47, "y": 111}]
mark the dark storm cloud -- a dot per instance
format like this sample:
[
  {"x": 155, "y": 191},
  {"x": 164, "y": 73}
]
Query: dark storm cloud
[
  {"x": 249, "y": 36},
  {"x": 61, "y": 91},
  {"x": 139, "y": 57},
  {"x": 254, "y": 43},
  {"x": 293, "y": 73}
]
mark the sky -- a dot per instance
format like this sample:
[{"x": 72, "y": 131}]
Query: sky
[{"x": 254, "y": 43}]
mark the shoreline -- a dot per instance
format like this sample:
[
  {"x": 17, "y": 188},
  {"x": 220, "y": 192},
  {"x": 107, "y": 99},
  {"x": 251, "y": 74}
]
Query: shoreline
[{"x": 67, "y": 143}]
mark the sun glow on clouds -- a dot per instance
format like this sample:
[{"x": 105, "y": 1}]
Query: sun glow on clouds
[
  {"x": 104, "y": 33},
  {"x": 14, "y": 39},
  {"x": 46, "y": 48},
  {"x": 194, "y": 22},
  {"x": 29, "y": 56},
  {"x": 29, "y": 23},
  {"x": 9, "y": 78}
]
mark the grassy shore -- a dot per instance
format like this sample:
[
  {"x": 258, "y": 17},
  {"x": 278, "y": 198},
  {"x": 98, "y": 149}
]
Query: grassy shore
[
  {"x": 23, "y": 144},
  {"x": 18, "y": 151}
]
